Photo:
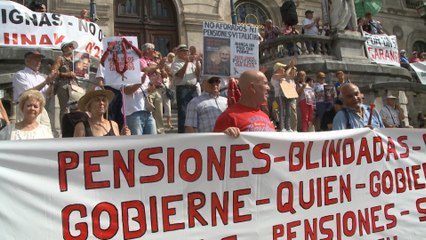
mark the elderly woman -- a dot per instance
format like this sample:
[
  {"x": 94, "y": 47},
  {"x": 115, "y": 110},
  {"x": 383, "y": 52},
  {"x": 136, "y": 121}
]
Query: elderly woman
[
  {"x": 31, "y": 103},
  {"x": 96, "y": 104},
  {"x": 66, "y": 80}
]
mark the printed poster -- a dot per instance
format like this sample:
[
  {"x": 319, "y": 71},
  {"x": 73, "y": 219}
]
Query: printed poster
[{"x": 229, "y": 49}]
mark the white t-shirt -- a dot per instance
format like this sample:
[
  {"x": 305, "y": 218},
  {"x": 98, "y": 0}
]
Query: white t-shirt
[
  {"x": 11, "y": 133},
  {"x": 311, "y": 31}
]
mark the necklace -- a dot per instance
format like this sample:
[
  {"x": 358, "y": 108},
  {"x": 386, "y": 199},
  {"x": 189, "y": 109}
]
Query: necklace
[{"x": 125, "y": 44}]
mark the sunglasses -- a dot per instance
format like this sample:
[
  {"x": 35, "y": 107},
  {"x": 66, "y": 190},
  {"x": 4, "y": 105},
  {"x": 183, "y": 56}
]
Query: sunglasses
[{"x": 212, "y": 81}]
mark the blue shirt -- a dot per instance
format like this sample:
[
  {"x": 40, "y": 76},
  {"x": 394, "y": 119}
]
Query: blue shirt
[{"x": 348, "y": 119}]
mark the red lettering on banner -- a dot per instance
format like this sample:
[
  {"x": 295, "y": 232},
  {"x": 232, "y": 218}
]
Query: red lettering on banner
[
  {"x": 277, "y": 231},
  {"x": 296, "y": 165},
  {"x": 154, "y": 212},
  {"x": 375, "y": 219},
  {"x": 350, "y": 220},
  {"x": 235, "y": 160},
  {"x": 390, "y": 217},
  {"x": 401, "y": 140},
  {"x": 168, "y": 212},
  {"x": 326, "y": 230},
  {"x": 328, "y": 190},
  {"x": 127, "y": 171},
  {"x": 420, "y": 209},
  {"x": 348, "y": 224},
  {"x": 311, "y": 231},
  {"x": 32, "y": 40},
  {"x": 348, "y": 155},
  {"x": 364, "y": 222},
  {"x": 291, "y": 234},
  {"x": 81, "y": 227},
  {"x": 140, "y": 219},
  {"x": 310, "y": 203},
  {"x": 193, "y": 208},
  {"x": 217, "y": 163},
  {"x": 183, "y": 165},
  {"x": 324, "y": 190},
  {"x": 221, "y": 209},
  {"x": 90, "y": 168},
  {"x": 145, "y": 158},
  {"x": 416, "y": 177},
  {"x": 391, "y": 149},
  {"x": 257, "y": 153},
  {"x": 378, "y": 151},
  {"x": 364, "y": 152},
  {"x": 240, "y": 204},
  {"x": 64, "y": 166},
  {"x": 399, "y": 180},
  {"x": 281, "y": 205},
  {"x": 334, "y": 153},
  {"x": 112, "y": 212}
]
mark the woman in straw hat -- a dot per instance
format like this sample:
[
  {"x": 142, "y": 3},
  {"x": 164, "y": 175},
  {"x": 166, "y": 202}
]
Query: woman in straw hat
[
  {"x": 96, "y": 104},
  {"x": 31, "y": 103}
]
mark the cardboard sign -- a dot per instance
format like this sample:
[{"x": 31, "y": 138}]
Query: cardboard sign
[{"x": 289, "y": 90}]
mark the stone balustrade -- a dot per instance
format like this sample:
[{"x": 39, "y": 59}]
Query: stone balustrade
[{"x": 290, "y": 45}]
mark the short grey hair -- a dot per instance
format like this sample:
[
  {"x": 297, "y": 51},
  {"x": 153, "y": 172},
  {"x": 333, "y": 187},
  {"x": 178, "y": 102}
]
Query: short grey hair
[{"x": 147, "y": 46}]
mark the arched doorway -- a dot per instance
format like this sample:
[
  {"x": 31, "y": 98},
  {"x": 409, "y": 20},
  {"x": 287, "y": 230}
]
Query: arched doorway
[{"x": 151, "y": 21}]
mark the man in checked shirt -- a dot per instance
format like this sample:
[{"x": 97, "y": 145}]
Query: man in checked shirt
[{"x": 202, "y": 111}]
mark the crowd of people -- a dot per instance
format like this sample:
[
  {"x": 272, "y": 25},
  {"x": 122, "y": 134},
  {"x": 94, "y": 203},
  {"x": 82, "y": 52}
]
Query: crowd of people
[{"x": 300, "y": 103}]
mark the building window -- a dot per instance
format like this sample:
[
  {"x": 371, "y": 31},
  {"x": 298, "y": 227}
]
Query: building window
[
  {"x": 250, "y": 12},
  {"x": 413, "y": 4},
  {"x": 419, "y": 46}
]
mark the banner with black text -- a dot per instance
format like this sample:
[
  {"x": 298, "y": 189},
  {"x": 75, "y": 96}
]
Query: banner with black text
[
  {"x": 382, "y": 49},
  {"x": 21, "y": 27}
]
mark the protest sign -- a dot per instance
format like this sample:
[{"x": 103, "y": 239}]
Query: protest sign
[
  {"x": 289, "y": 89},
  {"x": 229, "y": 49},
  {"x": 21, "y": 27},
  {"x": 117, "y": 61},
  {"x": 350, "y": 184},
  {"x": 382, "y": 49},
  {"x": 81, "y": 65},
  {"x": 420, "y": 69}
]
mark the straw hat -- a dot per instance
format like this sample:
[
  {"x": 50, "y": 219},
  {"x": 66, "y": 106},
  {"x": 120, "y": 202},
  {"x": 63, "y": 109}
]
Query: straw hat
[{"x": 82, "y": 103}]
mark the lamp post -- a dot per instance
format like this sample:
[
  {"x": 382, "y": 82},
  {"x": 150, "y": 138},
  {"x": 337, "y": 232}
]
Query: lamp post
[
  {"x": 93, "y": 16},
  {"x": 233, "y": 15},
  {"x": 421, "y": 10}
]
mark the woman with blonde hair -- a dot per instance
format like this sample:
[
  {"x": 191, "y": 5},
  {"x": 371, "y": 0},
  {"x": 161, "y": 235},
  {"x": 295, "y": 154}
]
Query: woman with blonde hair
[{"x": 31, "y": 103}]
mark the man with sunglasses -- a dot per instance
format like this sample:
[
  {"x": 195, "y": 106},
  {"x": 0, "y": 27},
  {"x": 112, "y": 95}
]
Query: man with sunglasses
[{"x": 202, "y": 111}]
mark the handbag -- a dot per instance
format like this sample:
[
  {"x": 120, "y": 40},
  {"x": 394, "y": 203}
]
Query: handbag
[{"x": 149, "y": 103}]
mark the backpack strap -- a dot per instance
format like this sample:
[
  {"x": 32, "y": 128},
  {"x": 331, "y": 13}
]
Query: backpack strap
[{"x": 348, "y": 124}]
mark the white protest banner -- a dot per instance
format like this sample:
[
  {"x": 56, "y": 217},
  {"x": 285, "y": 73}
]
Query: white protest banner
[
  {"x": 229, "y": 49},
  {"x": 121, "y": 67},
  {"x": 20, "y": 27},
  {"x": 382, "y": 49},
  {"x": 351, "y": 184},
  {"x": 420, "y": 69}
]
